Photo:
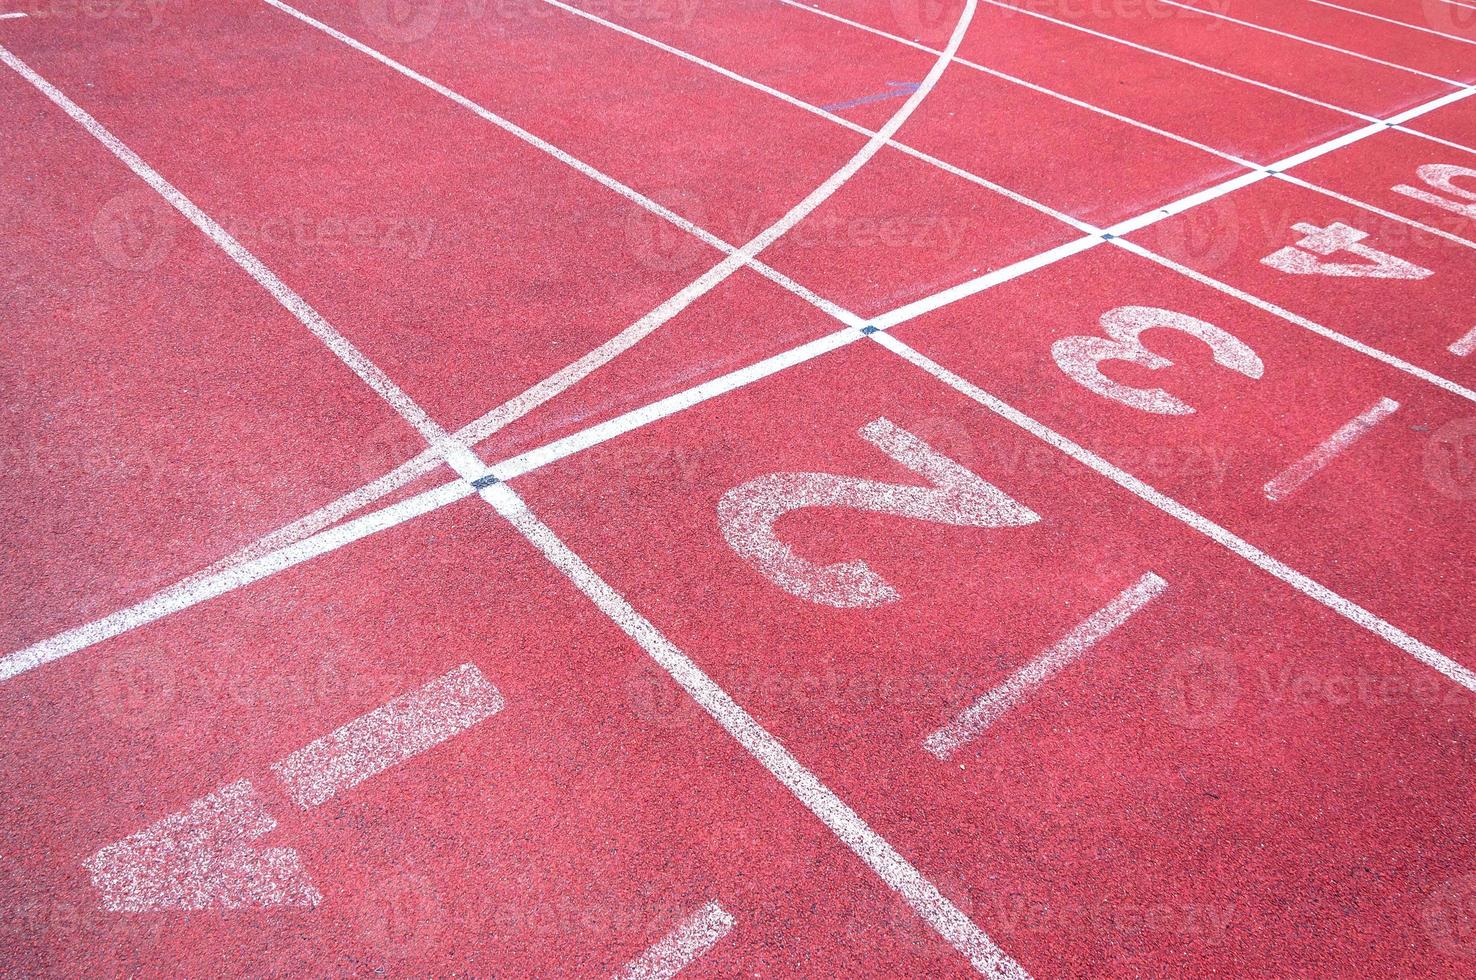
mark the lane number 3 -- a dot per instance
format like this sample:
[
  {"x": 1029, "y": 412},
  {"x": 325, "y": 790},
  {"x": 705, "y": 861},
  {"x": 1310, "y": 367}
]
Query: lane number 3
[{"x": 1082, "y": 357}]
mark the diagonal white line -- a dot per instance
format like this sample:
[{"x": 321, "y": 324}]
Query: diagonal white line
[
  {"x": 442, "y": 446},
  {"x": 198, "y": 588},
  {"x": 260, "y": 559},
  {"x": 883, "y": 859},
  {"x": 880, "y": 856},
  {"x": 1095, "y": 235},
  {"x": 1286, "y": 483},
  {"x": 1214, "y": 70},
  {"x": 1315, "y": 44},
  {"x": 1158, "y": 52},
  {"x": 691, "y": 938},
  {"x": 391, "y": 734},
  {"x": 568, "y": 159},
  {"x": 822, "y": 113},
  {"x": 990, "y": 707},
  {"x": 340, "y": 345},
  {"x": 626, "y": 339},
  {"x": 266, "y": 560},
  {"x": 1234, "y": 544},
  {"x": 1390, "y": 20},
  {"x": 1276, "y": 169}
]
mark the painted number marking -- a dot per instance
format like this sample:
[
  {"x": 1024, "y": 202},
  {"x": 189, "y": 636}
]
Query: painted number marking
[
  {"x": 1442, "y": 177},
  {"x": 1303, "y": 259},
  {"x": 748, "y": 513},
  {"x": 1081, "y": 357}
]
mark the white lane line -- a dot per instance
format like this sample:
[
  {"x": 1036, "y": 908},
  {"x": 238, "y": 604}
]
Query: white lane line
[
  {"x": 282, "y": 548},
  {"x": 1300, "y": 321},
  {"x": 630, "y": 336},
  {"x": 495, "y": 419},
  {"x": 681, "y": 401},
  {"x": 304, "y": 539},
  {"x": 991, "y": 706},
  {"x": 689, "y": 940},
  {"x": 388, "y": 736},
  {"x": 197, "y": 589},
  {"x": 442, "y": 446},
  {"x": 1436, "y": 139},
  {"x": 531, "y": 459},
  {"x": 1316, "y": 44},
  {"x": 1464, "y": 346},
  {"x": 207, "y": 585},
  {"x": 1023, "y": 83},
  {"x": 822, "y": 113},
  {"x": 987, "y": 281},
  {"x": 1095, "y": 236},
  {"x": 336, "y": 342},
  {"x": 1390, "y": 20},
  {"x": 205, "y": 856},
  {"x": 883, "y": 859},
  {"x": 1158, "y": 52},
  {"x": 1275, "y": 169},
  {"x": 568, "y": 159},
  {"x": 1285, "y": 483},
  {"x": 1309, "y": 587},
  {"x": 426, "y": 461},
  {"x": 288, "y": 545}
]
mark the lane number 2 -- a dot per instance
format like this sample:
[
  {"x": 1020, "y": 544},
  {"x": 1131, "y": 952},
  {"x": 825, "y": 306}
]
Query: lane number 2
[{"x": 748, "y": 513}]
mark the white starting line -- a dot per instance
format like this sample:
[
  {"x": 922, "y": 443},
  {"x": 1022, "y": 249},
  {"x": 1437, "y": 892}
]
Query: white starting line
[
  {"x": 388, "y": 736},
  {"x": 1465, "y": 345},
  {"x": 1098, "y": 626},
  {"x": 1231, "y": 542},
  {"x": 689, "y": 940},
  {"x": 203, "y": 586},
  {"x": 1286, "y": 483},
  {"x": 204, "y": 856},
  {"x": 231, "y": 817}
]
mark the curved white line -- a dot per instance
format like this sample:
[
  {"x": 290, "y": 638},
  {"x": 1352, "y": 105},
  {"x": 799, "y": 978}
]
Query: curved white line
[
  {"x": 510, "y": 411},
  {"x": 556, "y": 384}
]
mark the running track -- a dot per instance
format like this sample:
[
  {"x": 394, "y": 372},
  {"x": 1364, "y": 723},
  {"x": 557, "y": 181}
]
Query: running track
[{"x": 527, "y": 488}]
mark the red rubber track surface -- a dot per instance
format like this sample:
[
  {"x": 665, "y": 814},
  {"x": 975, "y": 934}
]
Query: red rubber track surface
[{"x": 223, "y": 551}]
